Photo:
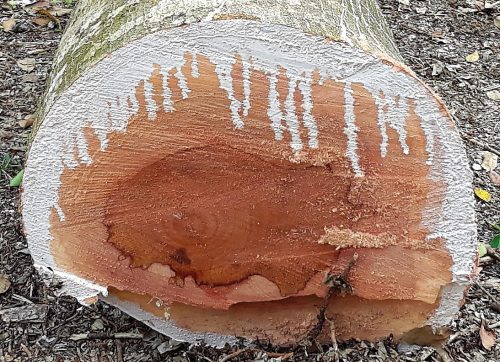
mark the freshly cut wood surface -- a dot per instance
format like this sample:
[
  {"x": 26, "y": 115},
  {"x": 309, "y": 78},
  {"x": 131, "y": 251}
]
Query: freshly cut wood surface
[{"x": 209, "y": 179}]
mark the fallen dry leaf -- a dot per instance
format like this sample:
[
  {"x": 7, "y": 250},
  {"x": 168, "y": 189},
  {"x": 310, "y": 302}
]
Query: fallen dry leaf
[
  {"x": 38, "y": 5},
  {"x": 488, "y": 338},
  {"x": 497, "y": 21},
  {"x": 421, "y": 10},
  {"x": 26, "y": 64},
  {"x": 494, "y": 95},
  {"x": 30, "y": 78},
  {"x": 58, "y": 11},
  {"x": 490, "y": 161},
  {"x": 4, "y": 283},
  {"x": 27, "y": 121},
  {"x": 9, "y": 24},
  {"x": 482, "y": 194},
  {"x": 438, "y": 33},
  {"x": 437, "y": 68},
  {"x": 473, "y": 57},
  {"x": 98, "y": 325},
  {"x": 49, "y": 15},
  {"x": 21, "y": 3},
  {"x": 495, "y": 178},
  {"x": 488, "y": 5},
  {"x": 30, "y": 312},
  {"x": 482, "y": 251},
  {"x": 41, "y": 21}
]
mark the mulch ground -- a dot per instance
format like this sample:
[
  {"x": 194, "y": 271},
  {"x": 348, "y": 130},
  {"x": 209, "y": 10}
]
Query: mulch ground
[{"x": 434, "y": 37}]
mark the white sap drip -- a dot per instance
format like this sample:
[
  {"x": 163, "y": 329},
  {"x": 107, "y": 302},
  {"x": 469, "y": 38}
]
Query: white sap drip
[
  {"x": 102, "y": 136},
  {"x": 351, "y": 130},
  {"x": 194, "y": 67},
  {"x": 68, "y": 154},
  {"x": 226, "y": 82},
  {"x": 291, "y": 119},
  {"x": 83, "y": 153},
  {"x": 274, "y": 110},
  {"x": 246, "y": 86},
  {"x": 394, "y": 114},
  {"x": 131, "y": 109},
  {"x": 60, "y": 213},
  {"x": 428, "y": 118},
  {"x": 307, "y": 106},
  {"x": 167, "y": 93},
  {"x": 182, "y": 82},
  {"x": 150, "y": 103}
]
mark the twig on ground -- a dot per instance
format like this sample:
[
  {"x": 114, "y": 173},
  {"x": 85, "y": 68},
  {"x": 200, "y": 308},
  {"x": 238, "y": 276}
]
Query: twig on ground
[
  {"x": 333, "y": 338},
  {"x": 492, "y": 253},
  {"x": 495, "y": 306},
  {"x": 283, "y": 356},
  {"x": 21, "y": 298},
  {"x": 234, "y": 354},
  {"x": 445, "y": 357},
  {"x": 119, "y": 351},
  {"x": 98, "y": 335},
  {"x": 481, "y": 144},
  {"x": 27, "y": 351},
  {"x": 338, "y": 284},
  {"x": 486, "y": 292}
]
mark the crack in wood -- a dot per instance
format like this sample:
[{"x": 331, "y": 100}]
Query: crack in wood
[{"x": 338, "y": 285}]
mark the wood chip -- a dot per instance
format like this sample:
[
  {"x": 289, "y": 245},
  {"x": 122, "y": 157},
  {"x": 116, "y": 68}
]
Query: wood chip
[
  {"x": 488, "y": 338},
  {"x": 493, "y": 95},
  {"x": 97, "y": 325},
  {"x": 4, "y": 283},
  {"x": 473, "y": 57},
  {"x": 27, "y": 64},
  {"x": 27, "y": 121},
  {"x": 8, "y": 25},
  {"x": 495, "y": 178},
  {"x": 30, "y": 78},
  {"x": 31, "y": 312},
  {"x": 437, "y": 68},
  {"x": 169, "y": 346},
  {"x": 490, "y": 161}
]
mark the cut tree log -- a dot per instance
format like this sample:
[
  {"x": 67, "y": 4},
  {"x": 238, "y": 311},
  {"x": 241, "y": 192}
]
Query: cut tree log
[{"x": 248, "y": 169}]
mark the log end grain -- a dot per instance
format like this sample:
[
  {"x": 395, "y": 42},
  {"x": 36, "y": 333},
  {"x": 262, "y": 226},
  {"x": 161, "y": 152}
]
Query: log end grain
[{"x": 206, "y": 179}]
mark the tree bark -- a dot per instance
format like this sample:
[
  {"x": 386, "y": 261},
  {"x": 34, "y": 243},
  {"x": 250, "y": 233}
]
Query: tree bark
[{"x": 224, "y": 169}]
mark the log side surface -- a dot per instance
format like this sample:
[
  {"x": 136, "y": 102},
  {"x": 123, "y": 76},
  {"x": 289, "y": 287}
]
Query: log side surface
[{"x": 99, "y": 27}]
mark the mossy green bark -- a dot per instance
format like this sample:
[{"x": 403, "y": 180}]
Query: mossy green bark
[{"x": 98, "y": 27}]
